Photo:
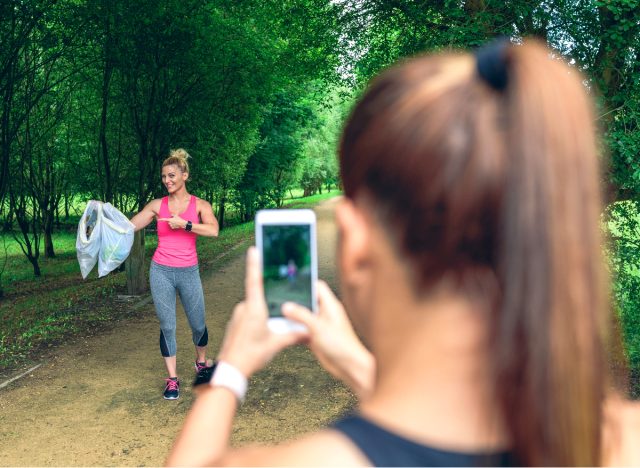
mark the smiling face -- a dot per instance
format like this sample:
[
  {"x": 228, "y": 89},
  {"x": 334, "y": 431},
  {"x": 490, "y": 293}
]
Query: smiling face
[{"x": 173, "y": 178}]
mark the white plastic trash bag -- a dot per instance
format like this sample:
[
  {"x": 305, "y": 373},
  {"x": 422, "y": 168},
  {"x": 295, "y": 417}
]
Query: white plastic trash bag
[
  {"x": 117, "y": 239},
  {"x": 89, "y": 237}
]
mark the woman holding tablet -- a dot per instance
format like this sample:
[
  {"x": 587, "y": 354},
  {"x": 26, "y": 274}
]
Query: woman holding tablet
[{"x": 470, "y": 261}]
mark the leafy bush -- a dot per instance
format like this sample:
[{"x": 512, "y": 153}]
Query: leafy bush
[{"x": 624, "y": 227}]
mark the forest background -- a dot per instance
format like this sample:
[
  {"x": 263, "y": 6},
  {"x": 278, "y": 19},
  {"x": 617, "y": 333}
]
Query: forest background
[{"x": 94, "y": 93}]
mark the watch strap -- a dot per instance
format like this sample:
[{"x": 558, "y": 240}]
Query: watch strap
[
  {"x": 189, "y": 226},
  {"x": 228, "y": 376}
]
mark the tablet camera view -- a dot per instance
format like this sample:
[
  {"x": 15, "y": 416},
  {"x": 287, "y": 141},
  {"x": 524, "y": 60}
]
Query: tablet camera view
[{"x": 286, "y": 266}]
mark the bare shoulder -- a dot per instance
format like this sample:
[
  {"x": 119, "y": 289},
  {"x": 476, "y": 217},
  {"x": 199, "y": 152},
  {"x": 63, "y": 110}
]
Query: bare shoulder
[
  {"x": 325, "y": 448},
  {"x": 204, "y": 209},
  {"x": 621, "y": 432},
  {"x": 202, "y": 204},
  {"x": 154, "y": 205}
]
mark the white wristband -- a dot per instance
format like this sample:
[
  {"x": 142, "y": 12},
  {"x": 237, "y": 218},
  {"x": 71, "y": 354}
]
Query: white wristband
[{"x": 227, "y": 376}]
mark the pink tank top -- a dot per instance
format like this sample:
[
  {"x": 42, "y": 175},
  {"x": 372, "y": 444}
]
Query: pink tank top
[{"x": 176, "y": 247}]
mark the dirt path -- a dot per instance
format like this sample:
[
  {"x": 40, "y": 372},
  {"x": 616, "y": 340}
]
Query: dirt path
[{"x": 99, "y": 401}]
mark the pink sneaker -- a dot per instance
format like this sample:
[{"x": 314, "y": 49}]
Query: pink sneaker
[
  {"x": 172, "y": 390},
  {"x": 202, "y": 365}
]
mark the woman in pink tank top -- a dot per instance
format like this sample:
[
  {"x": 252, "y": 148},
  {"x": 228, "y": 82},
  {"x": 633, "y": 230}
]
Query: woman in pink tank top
[{"x": 174, "y": 269}]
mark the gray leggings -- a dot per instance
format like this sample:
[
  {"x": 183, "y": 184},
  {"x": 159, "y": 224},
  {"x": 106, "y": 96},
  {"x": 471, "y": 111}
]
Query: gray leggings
[{"x": 165, "y": 281}]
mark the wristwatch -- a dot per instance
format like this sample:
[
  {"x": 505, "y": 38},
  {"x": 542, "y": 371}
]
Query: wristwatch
[
  {"x": 223, "y": 374},
  {"x": 188, "y": 226}
]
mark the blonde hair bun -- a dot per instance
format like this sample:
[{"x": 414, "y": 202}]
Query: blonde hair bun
[
  {"x": 179, "y": 158},
  {"x": 179, "y": 153}
]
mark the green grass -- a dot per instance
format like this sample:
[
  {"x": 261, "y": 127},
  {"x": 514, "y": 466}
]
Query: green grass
[
  {"x": 310, "y": 201},
  {"x": 37, "y": 313},
  {"x": 18, "y": 270}
]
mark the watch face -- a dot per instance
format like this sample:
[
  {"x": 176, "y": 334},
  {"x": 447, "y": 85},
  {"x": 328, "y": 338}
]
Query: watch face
[{"x": 204, "y": 375}]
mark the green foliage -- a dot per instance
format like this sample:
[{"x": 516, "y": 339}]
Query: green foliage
[
  {"x": 271, "y": 168},
  {"x": 319, "y": 166},
  {"x": 624, "y": 227},
  {"x": 16, "y": 274},
  {"x": 623, "y": 142},
  {"x": 95, "y": 94}
]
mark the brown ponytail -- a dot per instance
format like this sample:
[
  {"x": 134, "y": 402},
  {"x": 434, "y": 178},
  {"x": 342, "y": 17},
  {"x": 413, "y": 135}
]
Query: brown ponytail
[
  {"x": 548, "y": 333},
  {"x": 486, "y": 187}
]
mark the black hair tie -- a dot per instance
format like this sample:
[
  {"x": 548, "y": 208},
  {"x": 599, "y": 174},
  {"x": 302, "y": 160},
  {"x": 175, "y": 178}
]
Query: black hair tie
[{"x": 492, "y": 64}]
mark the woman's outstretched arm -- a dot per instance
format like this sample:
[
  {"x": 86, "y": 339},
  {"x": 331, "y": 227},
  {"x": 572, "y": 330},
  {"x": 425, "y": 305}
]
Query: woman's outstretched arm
[{"x": 144, "y": 218}]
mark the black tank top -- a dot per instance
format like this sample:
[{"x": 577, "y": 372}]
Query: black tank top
[{"x": 384, "y": 448}]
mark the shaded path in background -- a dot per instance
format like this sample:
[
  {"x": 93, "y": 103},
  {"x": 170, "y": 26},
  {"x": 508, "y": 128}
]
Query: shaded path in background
[{"x": 99, "y": 401}]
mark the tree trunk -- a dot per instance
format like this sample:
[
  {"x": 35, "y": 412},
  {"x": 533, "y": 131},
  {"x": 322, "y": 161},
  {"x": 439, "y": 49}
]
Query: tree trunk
[
  {"x": 5, "y": 143},
  {"x": 5, "y": 123},
  {"x": 221, "y": 207},
  {"x": 30, "y": 230},
  {"x": 106, "y": 80},
  {"x": 134, "y": 267},
  {"x": 67, "y": 202},
  {"x": 49, "y": 216},
  {"x": 49, "y": 252},
  {"x": 36, "y": 267},
  {"x": 49, "y": 206},
  {"x": 7, "y": 224}
]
